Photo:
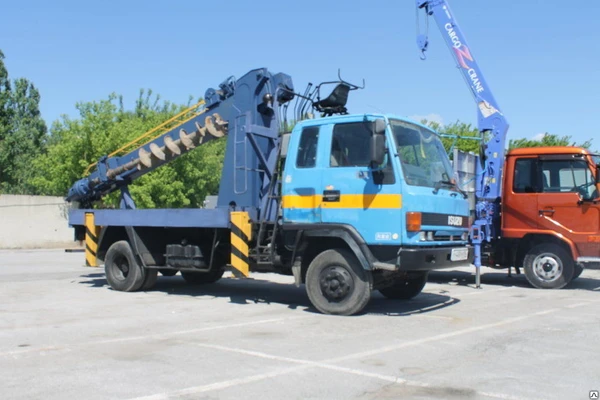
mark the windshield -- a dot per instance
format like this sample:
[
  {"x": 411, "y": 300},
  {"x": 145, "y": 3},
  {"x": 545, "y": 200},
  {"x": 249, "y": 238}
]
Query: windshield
[{"x": 424, "y": 160}]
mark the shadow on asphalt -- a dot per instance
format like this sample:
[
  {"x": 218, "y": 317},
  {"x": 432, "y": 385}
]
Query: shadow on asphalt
[
  {"x": 258, "y": 291},
  {"x": 494, "y": 277}
]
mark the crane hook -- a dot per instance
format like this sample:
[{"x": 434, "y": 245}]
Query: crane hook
[{"x": 422, "y": 42}]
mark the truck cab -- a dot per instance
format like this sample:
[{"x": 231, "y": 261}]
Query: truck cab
[
  {"x": 551, "y": 212},
  {"x": 380, "y": 187}
]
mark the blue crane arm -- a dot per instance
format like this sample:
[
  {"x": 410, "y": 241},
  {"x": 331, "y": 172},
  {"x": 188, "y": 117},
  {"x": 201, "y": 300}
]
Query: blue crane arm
[
  {"x": 492, "y": 124},
  {"x": 246, "y": 108}
]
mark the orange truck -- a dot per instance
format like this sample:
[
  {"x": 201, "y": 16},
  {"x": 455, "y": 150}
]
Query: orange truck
[
  {"x": 538, "y": 208},
  {"x": 550, "y": 215}
]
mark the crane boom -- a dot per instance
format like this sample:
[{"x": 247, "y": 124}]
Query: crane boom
[
  {"x": 243, "y": 108},
  {"x": 492, "y": 124}
]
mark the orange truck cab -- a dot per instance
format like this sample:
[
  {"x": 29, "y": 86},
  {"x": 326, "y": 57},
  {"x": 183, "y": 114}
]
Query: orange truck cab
[{"x": 550, "y": 214}]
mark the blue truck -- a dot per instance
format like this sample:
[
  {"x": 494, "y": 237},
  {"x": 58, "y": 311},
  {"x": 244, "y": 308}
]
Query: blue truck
[{"x": 346, "y": 203}]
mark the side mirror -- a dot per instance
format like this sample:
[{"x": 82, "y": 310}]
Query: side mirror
[
  {"x": 379, "y": 127},
  {"x": 378, "y": 149}
]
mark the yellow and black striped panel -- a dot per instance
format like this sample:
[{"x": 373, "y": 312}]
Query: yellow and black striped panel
[
  {"x": 241, "y": 234},
  {"x": 91, "y": 240}
]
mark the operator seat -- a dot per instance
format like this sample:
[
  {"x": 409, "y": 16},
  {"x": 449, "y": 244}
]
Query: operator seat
[{"x": 336, "y": 101}]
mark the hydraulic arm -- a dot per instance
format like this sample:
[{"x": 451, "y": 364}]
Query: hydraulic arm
[
  {"x": 492, "y": 124},
  {"x": 245, "y": 108}
]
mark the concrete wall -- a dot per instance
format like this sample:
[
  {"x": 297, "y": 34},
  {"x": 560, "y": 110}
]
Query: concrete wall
[{"x": 34, "y": 222}]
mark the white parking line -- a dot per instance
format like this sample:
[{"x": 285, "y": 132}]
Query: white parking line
[
  {"x": 482, "y": 291},
  {"x": 304, "y": 364},
  {"x": 577, "y": 305},
  {"x": 327, "y": 364},
  {"x": 145, "y": 337}
]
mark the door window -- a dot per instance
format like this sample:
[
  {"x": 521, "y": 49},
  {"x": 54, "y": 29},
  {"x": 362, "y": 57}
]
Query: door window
[
  {"x": 567, "y": 176},
  {"x": 525, "y": 175},
  {"x": 307, "y": 149},
  {"x": 350, "y": 145}
]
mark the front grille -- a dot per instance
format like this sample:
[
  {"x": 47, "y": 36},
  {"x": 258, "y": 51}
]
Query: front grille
[{"x": 446, "y": 238}]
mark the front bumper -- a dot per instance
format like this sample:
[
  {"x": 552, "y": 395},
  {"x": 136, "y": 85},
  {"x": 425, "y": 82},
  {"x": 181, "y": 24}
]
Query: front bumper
[{"x": 424, "y": 259}]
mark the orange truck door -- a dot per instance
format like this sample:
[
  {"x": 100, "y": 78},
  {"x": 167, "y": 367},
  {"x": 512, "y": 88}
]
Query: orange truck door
[
  {"x": 520, "y": 203},
  {"x": 564, "y": 182}
]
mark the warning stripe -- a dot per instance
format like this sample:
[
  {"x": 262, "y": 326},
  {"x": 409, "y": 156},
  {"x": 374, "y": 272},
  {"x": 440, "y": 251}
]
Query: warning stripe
[
  {"x": 241, "y": 232},
  {"x": 238, "y": 232},
  {"x": 89, "y": 250},
  {"x": 243, "y": 257},
  {"x": 91, "y": 240},
  {"x": 91, "y": 234}
]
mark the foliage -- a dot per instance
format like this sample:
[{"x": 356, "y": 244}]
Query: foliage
[
  {"x": 456, "y": 135},
  {"x": 463, "y": 130},
  {"x": 548, "y": 140},
  {"x": 22, "y": 132},
  {"x": 103, "y": 127}
]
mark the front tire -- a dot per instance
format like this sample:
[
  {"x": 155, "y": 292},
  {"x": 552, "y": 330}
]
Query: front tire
[
  {"x": 123, "y": 273},
  {"x": 406, "y": 288},
  {"x": 548, "y": 266},
  {"x": 578, "y": 271},
  {"x": 337, "y": 284}
]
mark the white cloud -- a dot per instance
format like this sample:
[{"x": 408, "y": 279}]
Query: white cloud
[
  {"x": 538, "y": 137},
  {"x": 429, "y": 117}
]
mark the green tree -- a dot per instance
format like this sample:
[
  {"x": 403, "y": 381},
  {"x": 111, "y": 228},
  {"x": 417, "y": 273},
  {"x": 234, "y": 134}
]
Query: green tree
[
  {"x": 458, "y": 135},
  {"x": 22, "y": 132},
  {"x": 462, "y": 132},
  {"x": 105, "y": 126},
  {"x": 548, "y": 140}
]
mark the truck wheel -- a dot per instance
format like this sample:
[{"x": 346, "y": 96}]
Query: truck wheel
[
  {"x": 122, "y": 270},
  {"x": 337, "y": 284},
  {"x": 168, "y": 272},
  {"x": 406, "y": 288},
  {"x": 578, "y": 268},
  {"x": 150, "y": 278},
  {"x": 201, "y": 278},
  {"x": 548, "y": 266}
]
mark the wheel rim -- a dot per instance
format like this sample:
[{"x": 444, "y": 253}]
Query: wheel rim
[
  {"x": 336, "y": 283},
  {"x": 547, "y": 267},
  {"x": 121, "y": 268}
]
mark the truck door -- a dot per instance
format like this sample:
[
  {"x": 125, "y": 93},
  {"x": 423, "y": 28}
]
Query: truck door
[
  {"x": 302, "y": 182},
  {"x": 564, "y": 182},
  {"x": 352, "y": 192},
  {"x": 519, "y": 205}
]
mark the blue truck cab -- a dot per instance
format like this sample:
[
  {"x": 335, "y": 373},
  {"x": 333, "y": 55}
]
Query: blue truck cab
[{"x": 399, "y": 216}]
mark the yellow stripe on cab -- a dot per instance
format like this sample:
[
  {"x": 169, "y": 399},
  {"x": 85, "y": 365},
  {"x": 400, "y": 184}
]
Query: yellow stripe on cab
[{"x": 364, "y": 201}]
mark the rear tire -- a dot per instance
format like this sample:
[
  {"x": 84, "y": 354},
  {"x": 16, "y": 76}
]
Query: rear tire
[
  {"x": 548, "y": 266},
  {"x": 150, "y": 278},
  {"x": 337, "y": 284},
  {"x": 406, "y": 288},
  {"x": 123, "y": 273}
]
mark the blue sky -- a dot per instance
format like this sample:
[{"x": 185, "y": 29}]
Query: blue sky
[{"x": 540, "y": 58}]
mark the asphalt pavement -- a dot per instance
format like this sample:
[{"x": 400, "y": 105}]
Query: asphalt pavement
[{"x": 65, "y": 334}]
